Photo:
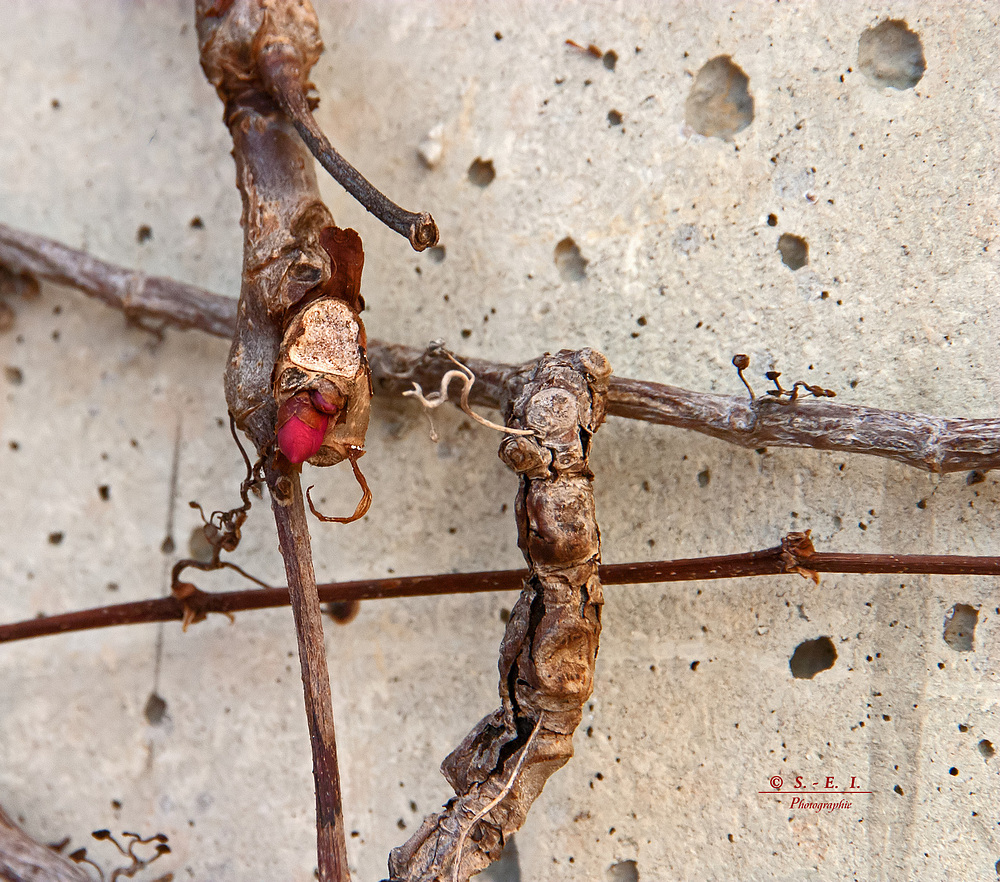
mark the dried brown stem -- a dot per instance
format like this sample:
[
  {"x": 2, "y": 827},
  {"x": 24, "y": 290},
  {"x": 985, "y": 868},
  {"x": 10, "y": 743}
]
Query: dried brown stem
[
  {"x": 293, "y": 539},
  {"x": 284, "y": 261},
  {"x": 286, "y": 82},
  {"x": 24, "y": 860},
  {"x": 935, "y": 444},
  {"x": 136, "y": 294},
  {"x": 550, "y": 646},
  {"x": 766, "y": 562}
]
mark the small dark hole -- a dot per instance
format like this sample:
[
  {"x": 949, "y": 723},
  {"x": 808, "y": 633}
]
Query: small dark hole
[
  {"x": 898, "y": 789},
  {"x": 772, "y": 220},
  {"x": 890, "y": 54},
  {"x": 572, "y": 265},
  {"x": 960, "y": 627},
  {"x": 144, "y": 234},
  {"x": 811, "y": 657},
  {"x": 720, "y": 103},
  {"x": 623, "y": 871},
  {"x": 704, "y": 476},
  {"x": 497, "y": 36},
  {"x": 610, "y": 59},
  {"x": 437, "y": 253},
  {"x": 694, "y": 665},
  {"x": 794, "y": 251},
  {"x": 953, "y": 771},
  {"x": 155, "y": 710},
  {"x": 56, "y": 538},
  {"x": 614, "y": 118},
  {"x": 343, "y": 611},
  {"x": 975, "y": 477},
  {"x": 481, "y": 172},
  {"x": 197, "y": 223},
  {"x": 104, "y": 491},
  {"x": 987, "y": 749}
]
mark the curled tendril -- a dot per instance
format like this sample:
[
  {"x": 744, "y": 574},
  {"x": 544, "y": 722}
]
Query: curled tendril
[
  {"x": 436, "y": 399},
  {"x": 362, "y": 507}
]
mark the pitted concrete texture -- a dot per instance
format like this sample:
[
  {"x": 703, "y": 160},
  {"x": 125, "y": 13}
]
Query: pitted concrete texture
[{"x": 578, "y": 206}]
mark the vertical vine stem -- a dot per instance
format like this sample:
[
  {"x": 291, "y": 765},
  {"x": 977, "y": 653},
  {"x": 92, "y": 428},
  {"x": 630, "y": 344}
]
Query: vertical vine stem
[{"x": 293, "y": 539}]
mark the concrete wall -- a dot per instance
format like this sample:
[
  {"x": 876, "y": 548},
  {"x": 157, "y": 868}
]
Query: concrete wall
[{"x": 108, "y": 126}]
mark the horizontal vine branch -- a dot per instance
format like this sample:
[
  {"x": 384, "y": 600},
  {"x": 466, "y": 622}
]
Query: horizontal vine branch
[
  {"x": 931, "y": 443},
  {"x": 789, "y": 557}
]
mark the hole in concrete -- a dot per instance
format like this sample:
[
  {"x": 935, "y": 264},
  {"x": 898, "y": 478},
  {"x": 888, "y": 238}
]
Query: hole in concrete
[
  {"x": 975, "y": 477},
  {"x": 704, "y": 476},
  {"x": 144, "y": 234},
  {"x": 481, "y": 172},
  {"x": 614, "y": 118},
  {"x": 572, "y": 265},
  {"x": 104, "y": 491},
  {"x": 953, "y": 772},
  {"x": 960, "y": 627},
  {"x": 437, "y": 253},
  {"x": 623, "y": 871},
  {"x": 794, "y": 251},
  {"x": 155, "y": 710},
  {"x": 811, "y": 657},
  {"x": 720, "y": 103},
  {"x": 987, "y": 749},
  {"x": 197, "y": 223},
  {"x": 56, "y": 538},
  {"x": 14, "y": 375},
  {"x": 890, "y": 54},
  {"x": 610, "y": 59},
  {"x": 898, "y": 789},
  {"x": 343, "y": 611},
  {"x": 772, "y": 220},
  {"x": 507, "y": 869}
]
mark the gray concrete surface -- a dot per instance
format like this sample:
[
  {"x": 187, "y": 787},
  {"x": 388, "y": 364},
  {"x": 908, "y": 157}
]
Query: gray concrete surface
[{"x": 108, "y": 125}]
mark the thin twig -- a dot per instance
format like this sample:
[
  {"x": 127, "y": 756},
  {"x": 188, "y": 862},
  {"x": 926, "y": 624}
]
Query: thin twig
[
  {"x": 930, "y": 443},
  {"x": 293, "y": 539},
  {"x": 767, "y": 562},
  {"x": 285, "y": 81}
]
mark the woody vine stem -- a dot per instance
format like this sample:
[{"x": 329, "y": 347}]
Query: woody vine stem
[{"x": 301, "y": 276}]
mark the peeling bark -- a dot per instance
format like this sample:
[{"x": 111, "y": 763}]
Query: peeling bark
[{"x": 550, "y": 646}]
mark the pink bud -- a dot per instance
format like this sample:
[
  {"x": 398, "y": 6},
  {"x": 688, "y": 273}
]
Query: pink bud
[{"x": 301, "y": 429}]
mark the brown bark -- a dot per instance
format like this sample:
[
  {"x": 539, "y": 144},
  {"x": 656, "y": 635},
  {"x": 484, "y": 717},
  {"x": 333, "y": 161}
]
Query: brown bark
[
  {"x": 931, "y": 443},
  {"x": 24, "y": 860},
  {"x": 550, "y": 646},
  {"x": 284, "y": 261}
]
